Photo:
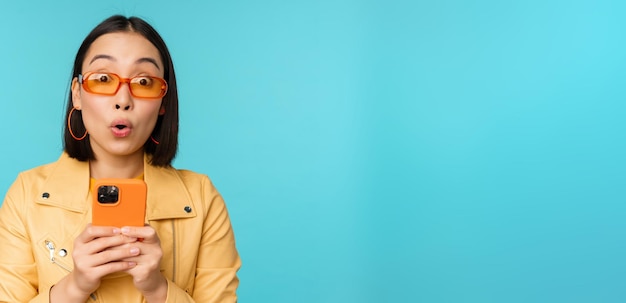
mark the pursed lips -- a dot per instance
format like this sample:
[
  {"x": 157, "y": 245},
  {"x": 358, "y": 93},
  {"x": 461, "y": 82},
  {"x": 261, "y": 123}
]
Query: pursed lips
[{"x": 121, "y": 128}]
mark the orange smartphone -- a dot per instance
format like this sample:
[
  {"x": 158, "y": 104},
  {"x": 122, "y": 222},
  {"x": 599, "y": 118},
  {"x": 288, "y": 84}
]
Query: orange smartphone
[{"x": 119, "y": 202}]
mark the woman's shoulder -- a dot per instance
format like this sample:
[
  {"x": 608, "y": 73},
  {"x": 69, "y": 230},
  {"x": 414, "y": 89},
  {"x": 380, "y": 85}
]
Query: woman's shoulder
[
  {"x": 193, "y": 175},
  {"x": 30, "y": 181},
  {"x": 188, "y": 177},
  {"x": 42, "y": 171}
]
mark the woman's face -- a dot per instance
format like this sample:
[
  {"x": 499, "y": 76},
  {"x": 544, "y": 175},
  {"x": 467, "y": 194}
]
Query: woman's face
[{"x": 120, "y": 124}]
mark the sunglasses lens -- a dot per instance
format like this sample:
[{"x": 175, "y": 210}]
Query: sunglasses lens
[
  {"x": 148, "y": 87},
  {"x": 101, "y": 83}
]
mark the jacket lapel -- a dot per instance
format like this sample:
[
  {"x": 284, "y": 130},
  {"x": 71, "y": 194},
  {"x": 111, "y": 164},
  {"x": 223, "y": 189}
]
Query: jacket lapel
[
  {"x": 167, "y": 194},
  {"x": 67, "y": 186}
]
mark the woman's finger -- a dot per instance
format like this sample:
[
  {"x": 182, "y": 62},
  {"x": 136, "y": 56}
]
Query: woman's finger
[{"x": 146, "y": 233}]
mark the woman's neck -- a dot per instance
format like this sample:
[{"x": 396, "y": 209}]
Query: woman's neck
[{"x": 129, "y": 166}]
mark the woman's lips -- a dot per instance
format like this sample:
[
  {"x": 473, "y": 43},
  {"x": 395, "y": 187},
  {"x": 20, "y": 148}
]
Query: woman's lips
[
  {"x": 121, "y": 132},
  {"x": 121, "y": 128}
]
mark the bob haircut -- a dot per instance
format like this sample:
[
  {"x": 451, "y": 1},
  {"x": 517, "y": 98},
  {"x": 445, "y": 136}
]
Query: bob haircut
[{"x": 166, "y": 128}]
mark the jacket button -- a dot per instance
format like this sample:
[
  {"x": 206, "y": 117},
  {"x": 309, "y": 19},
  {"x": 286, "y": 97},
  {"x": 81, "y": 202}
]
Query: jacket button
[
  {"x": 62, "y": 252},
  {"x": 187, "y": 209},
  {"x": 45, "y": 195}
]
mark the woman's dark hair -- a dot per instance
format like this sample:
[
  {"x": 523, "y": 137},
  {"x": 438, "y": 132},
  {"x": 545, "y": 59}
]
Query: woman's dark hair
[{"x": 166, "y": 128}]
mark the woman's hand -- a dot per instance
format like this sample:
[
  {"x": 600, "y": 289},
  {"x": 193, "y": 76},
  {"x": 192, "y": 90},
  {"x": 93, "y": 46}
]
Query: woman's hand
[
  {"x": 146, "y": 274},
  {"x": 93, "y": 260}
]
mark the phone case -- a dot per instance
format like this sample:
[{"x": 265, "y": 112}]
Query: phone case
[{"x": 127, "y": 209}]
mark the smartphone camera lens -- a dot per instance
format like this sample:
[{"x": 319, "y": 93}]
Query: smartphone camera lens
[{"x": 108, "y": 194}]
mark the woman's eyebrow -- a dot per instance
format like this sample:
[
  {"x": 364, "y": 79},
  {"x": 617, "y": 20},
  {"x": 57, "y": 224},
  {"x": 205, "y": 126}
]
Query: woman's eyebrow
[
  {"x": 150, "y": 60},
  {"x": 140, "y": 60},
  {"x": 96, "y": 57}
]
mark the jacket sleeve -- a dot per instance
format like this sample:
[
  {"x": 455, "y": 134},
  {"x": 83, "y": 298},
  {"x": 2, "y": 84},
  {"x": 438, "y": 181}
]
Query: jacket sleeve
[
  {"x": 216, "y": 278},
  {"x": 18, "y": 272}
]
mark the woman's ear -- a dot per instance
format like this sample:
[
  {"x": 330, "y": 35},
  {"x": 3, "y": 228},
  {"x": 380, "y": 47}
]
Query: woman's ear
[{"x": 76, "y": 102}]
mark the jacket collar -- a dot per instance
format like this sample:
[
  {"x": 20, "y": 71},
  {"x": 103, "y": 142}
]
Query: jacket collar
[{"x": 67, "y": 186}]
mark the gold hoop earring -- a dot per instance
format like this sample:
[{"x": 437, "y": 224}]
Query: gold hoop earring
[
  {"x": 154, "y": 140},
  {"x": 69, "y": 126}
]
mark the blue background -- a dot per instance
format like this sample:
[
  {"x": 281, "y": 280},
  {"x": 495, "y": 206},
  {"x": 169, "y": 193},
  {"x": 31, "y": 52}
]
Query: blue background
[{"x": 377, "y": 151}]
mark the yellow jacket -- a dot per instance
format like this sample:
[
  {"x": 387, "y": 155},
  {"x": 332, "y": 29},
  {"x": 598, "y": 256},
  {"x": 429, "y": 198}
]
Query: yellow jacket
[{"x": 48, "y": 206}]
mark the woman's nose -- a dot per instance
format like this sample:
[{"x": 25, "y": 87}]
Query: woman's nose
[{"x": 124, "y": 99}]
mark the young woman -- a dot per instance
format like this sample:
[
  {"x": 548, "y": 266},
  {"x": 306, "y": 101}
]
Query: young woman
[{"x": 122, "y": 123}]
